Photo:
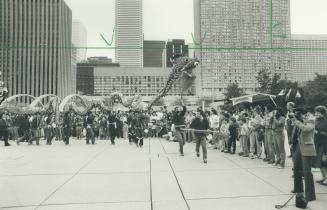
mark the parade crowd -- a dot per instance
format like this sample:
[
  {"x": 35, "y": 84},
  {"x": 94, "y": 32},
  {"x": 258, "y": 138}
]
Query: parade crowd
[{"x": 261, "y": 132}]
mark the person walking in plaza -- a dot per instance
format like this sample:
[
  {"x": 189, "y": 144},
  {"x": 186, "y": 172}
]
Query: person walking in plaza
[
  {"x": 48, "y": 130},
  {"x": 179, "y": 123},
  {"x": 67, "y": 127},
  {"x": 103, "y": 128},
  {"x": 224, "y": 133},
  {"x": 11, "y": 130},
  {"x": 112, "y": 120},
  {"x": 201, "y": 128},
  {"x": 131, "y": 131},
  {"x": 255, "y": 124},
  {"x": 244, "y": 137},
  {"x": 188, "y": 119},
  {"x": 321, "y": 141},
  {"x": 125, "y": 126},
  {"x": 4, "y": 133},
  {"x": 304, "y": 155},
  {"x": 233, "y": 134},
  {"x": 89, "y": 123},
  {"x": 35, "y": 129},
  {"x": 137, "y": 128},
  {"x": 279, "y": 138},
  {"x": 268, "y": 144},
  {"x": 214, "y": 125},
  {"x": 119, "y": 125},
  {"x": 79, "y": 127}
]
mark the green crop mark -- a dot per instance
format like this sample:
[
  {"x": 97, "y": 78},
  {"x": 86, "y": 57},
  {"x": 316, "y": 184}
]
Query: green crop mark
[{"x": 273, "y": 26}]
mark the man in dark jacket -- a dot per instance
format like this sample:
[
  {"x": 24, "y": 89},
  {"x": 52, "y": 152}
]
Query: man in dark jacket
[
  {"x": 200, "y": 124},
  {"x": 89, "y": 125},
  {"x": 112, "y": 120},
  {"x": 4, "y": 128},
  {"x": 179, "y": 122},
  {"x": 233, "y": 133},
  {"x": 67, "y": 126}
]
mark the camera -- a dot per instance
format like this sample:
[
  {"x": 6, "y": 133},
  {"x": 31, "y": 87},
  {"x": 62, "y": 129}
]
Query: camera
[{"x": 296, "y": 115}]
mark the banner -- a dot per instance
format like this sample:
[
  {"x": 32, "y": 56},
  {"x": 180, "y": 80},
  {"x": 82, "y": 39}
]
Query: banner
[{"x": 242, "y": 99}]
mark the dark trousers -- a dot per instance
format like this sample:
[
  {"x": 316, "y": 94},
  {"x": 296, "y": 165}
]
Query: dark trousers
[
  {"x": 5, "y": 134},
  {"x": 113, "y": 132},
  {"x": 49, "y": 134},
  {"x": 67, "y": 133},
  {"x": 90, "y": 135},
  {"x": 180, "y": 139},
  {"x": 35, "y": 136},
  {"x": 201, "y": 141},
  {"x": 119, "y": 132},
  {"x": 302, "y": 166},
  {"x": 232, "y": 143}
]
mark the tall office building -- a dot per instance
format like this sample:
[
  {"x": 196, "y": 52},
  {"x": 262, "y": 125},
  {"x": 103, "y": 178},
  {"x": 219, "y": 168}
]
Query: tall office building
[
  {"x": 175, "y": 46},
  {"x": 129, "y": 33},
  {"x": 35, "y": 41},
  {"x": 308, "y": 61},
  {"x": 235, "y": 39},
  {"x": 153, "y": 53},
  {"x": 74, "y": 68},
  {"x": 79, "y": 39}
]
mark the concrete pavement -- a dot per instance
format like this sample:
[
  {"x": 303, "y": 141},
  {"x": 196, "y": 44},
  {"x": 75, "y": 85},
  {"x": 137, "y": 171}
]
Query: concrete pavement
[{"x": 124, "y": 177}]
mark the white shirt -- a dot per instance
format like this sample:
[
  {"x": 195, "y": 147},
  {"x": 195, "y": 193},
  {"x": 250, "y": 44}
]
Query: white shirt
[{"x": 214, "y": 121}]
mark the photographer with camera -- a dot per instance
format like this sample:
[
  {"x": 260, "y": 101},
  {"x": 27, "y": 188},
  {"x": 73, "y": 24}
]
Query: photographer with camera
[{"x": 303, "y": 156}]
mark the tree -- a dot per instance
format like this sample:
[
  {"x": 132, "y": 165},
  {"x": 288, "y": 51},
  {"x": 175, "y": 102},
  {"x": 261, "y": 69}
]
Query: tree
[
  {"x": 275, "y": 86},
  {"x": 264, "y": 81},
  {"x": 286, "y": 84},
  {"x": 233, "y": 91},
  {"x": 315, "y": 91}
]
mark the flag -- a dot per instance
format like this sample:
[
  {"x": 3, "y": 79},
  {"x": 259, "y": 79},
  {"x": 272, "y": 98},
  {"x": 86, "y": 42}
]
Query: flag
[
  {"x": 298, "y": 95},
  {"x": 288, "y": 94},
  {"x": 282, "y": 92}
]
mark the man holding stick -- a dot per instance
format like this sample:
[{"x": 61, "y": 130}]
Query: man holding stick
[
  {"x": 179, "y": 122},
  {"x": 201, "y": 128}
]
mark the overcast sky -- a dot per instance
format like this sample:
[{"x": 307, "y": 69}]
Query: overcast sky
[{"x": 168, "y": 19}]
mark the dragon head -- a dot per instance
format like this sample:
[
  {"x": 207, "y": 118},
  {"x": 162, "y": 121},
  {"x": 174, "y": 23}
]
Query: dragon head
[{"x": 188, "y": 64}]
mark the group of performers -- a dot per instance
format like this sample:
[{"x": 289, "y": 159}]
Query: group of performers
[
  {"x": 105, "y": 125},
  {"x": 131, "y": 125}
]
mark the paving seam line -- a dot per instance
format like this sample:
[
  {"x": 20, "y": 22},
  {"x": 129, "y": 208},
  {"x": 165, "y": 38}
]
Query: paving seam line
[
  {"x": 179, "y": 186},
  {"x": 64, "y": 204},
  {"x": 247, "y": 170},
  {"x": 151, "y": 198},
  {"x": 77, "y": 172},
  {"x": 164, "y": 149}
]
